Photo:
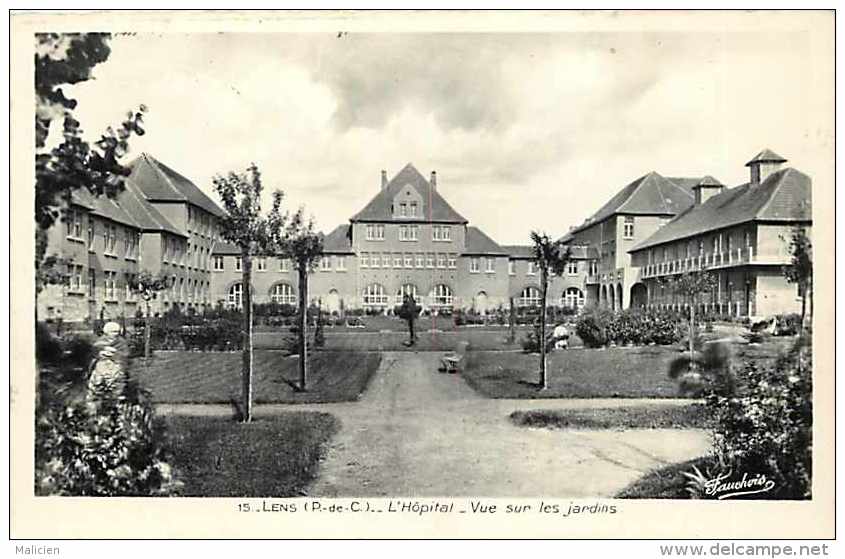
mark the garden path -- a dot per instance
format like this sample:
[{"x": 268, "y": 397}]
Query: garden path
[{"x": 417, "y": 432}]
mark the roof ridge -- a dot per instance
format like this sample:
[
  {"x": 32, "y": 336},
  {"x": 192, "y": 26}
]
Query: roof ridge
[{"x": 155, "y": 163}]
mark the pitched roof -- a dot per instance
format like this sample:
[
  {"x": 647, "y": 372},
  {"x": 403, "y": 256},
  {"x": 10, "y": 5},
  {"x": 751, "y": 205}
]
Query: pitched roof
[
  {"x": 708, "y": 181},
  {"x": 477, "y": 242},
  {"x": 144, "y": 213},
  {"x": 687, "y": 183},
  {"x": 104, "y": 206},
  {"x": 785, "y": 196},
  {"x": 519, "y": 251},
  {"x": 339, "y": 241},
  {"x": 160, "y": 183},
  {"x": 651, "y": 194},
  {"x": 380, "y": 207},
  {"x": 222, "y": 248},
  {"x": 766, "y": 156}
]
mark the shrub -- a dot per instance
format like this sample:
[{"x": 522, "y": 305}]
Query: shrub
[
  {"x": 106, "y": 445},
  {"x": 767, "y": 427},
  {"x": 592, "y": 327},
  {"x": 599, "y": 327},
  {"x": 788, "y": 324},
  {"x": 707, "y": 372},
  {"x": 530, "y": 343}
]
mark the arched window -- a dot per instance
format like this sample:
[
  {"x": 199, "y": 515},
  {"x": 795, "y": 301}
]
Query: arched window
[
  {"x": 282, "y": 293},
  {"x": 573, "y": 298},
  {"x": 441, "y": 296},
  {"x": 375, "y": 295},
  {"x": 234, "y": 297},
  {"x": 407, "y": 289},
  {"x": 530, "y": 297}
]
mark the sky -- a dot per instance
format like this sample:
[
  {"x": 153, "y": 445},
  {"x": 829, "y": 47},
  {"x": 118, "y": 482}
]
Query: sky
[{"x": 526, "y": 131}]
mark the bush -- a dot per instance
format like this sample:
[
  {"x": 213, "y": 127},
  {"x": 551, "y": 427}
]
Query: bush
[
  {"x": 788, "y": 324},
  {"x": 600, "y": 327},
  {"x": 530, "y": 343},
  {"x": 767, "y": 427},
  {"x": 592, "y": 326},
  {"x": 103, "y": 445}
]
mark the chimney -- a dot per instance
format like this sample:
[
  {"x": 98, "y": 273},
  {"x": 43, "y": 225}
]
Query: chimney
[
  {"x": 433, "y": 180},
  {"x": 706, "y": 188},
  {"x": 383, "y": 179},
  {"x": 764, "y": 164}
]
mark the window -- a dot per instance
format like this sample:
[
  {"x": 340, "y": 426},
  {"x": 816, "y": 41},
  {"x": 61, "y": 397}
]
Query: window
[
  {"x": 92, "y": 232},
  {"x": 365, "y": 259},
  {"x": 340, "y": 263},
  {"x": 218, "y": 263},
  {"x": 234, "y": 297},
  {"x": 75, "y": 272},
  {"x": 413, "y": 231},
  {"x": 441, "y": 296},
  {"x": 374, "y": 295},
  {"x": 594, "y": 265},
  {"x": 408, "y": 289},
  {"x": 237, "y": 263},
  {"x": 110, "y": 283},
  {"x": 451, "y": 261},
  {"x": 375, "y": 231},
  {"x": 408, "y": 232},
  {"x": 385, "y": 260},
  {"x": 532, "y": 268},
  {"x": 283, "y": 294},
  {"x": 261, "y": 264},
  {"x": 110, "y": 235},
  {"x": 491, "y": 266},
  {"x": 429, "y": 260},
  {"x": 441, "y": 233},
  {"x": 700, "y": 247},
  {"x": 419, "y": 261},
  {"x": 129, "y": 280},
  {"x": 441, "y": 260},
  {"x": 573, "y": 298},
  {"x": 326, "y": 263},
  {"x": 409, "y": 261},
  {"x": 628, "y": 227},
  {"x": 511, "y": 268},
  {"x": 473, "y": 265},
  {"x": 572, "y": 268},
  {"x": 530, "y": 297},
  {"x": 74, "y": 224},
  {"x": 403, "y": 232},
  {"x": 413, "y": 209},
  {"x": 397, "y": 260},
  {"x": 403, "y": 210},
  {"x": 92, "y": 283},
  {"x": 284, "y": 265},
  {"x": 748, "y": 239}
]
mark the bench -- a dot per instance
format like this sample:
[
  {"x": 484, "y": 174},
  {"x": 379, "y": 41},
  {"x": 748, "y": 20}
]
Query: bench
[{"x": 454, "y": 360}]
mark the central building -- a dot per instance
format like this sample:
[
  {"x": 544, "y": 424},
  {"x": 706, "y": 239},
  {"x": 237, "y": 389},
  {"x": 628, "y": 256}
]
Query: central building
[{"x": 406, "y": 240}]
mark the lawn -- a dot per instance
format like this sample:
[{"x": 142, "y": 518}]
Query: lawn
[
  {"x": 617, "y": 372},
  {"x": 337, "y": 340},
  {"x": 694, "y": 416},
  {"x": 271, "y": 457},
  {"x": 215, "y": 377}
]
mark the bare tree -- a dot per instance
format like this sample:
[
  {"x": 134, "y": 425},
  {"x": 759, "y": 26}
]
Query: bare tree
[
  {"x": 255, "y": 234},
  {"x": 552, "y": 258},
  {"x": 148, "y": 286},
  {"x": 690, "y": 286}
]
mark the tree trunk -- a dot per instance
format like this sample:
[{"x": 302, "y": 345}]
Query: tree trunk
[
  {"x": 303, "y": 325},
  {"x": 247, "y": 340},
  {"x": 692, "y": 335},
  {"x": 147, "y": 334},
  {"x": 544, "y": 381},
  {"x": 512, "y": 322}
]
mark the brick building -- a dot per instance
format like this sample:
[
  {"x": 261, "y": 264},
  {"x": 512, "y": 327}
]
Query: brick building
[{"x": 160, "y": 223}]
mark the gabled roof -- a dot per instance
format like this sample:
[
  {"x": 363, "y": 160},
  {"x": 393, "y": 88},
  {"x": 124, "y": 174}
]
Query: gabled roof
[
  {"x": 148, "y": 218},
  {"x": 160, "y": 183},
  {"x": 380, "y": 207},
  {"x": 103, "y": 206},
  {"x": 477, "y": 242},
  {"x": 339, "y": 241},
  {"x": 519, "y": 251},
  {"x": 785, "y": 196},
  {"x": 651, "y": 194},
  {"x": 766, "y": 156},
  {"x": 222, "y": 248}
]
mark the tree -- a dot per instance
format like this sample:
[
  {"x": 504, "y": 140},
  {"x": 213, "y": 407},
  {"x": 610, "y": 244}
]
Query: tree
[
  {"x": 254, "y": 234},
  {"x": 552, "y": 258},
  {"x": 800, "y": 269},
  {"x": 690, "y": 286},
  {"x": 409, "y": 311},
  {"x": 67, "y": 59},
  {"x": 148, "y": 286},
  {"x": 304, "y": 247}
]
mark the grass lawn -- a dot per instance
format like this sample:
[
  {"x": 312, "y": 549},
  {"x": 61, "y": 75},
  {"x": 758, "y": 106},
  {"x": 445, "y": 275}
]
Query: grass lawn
[
  {"x": 694, "y": 416},
  {"x": 638, "y": 372},
  {"x": 578, "y": 373},
  {"x": 270, "y": 457},
  {"x": 665, "y": 483},
  {"x": 479, "y": 339},
  {"x": 215, "y": 377}
]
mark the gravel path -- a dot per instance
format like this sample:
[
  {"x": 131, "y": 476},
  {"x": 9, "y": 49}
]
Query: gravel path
[{"x": 417, "y": 432}]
